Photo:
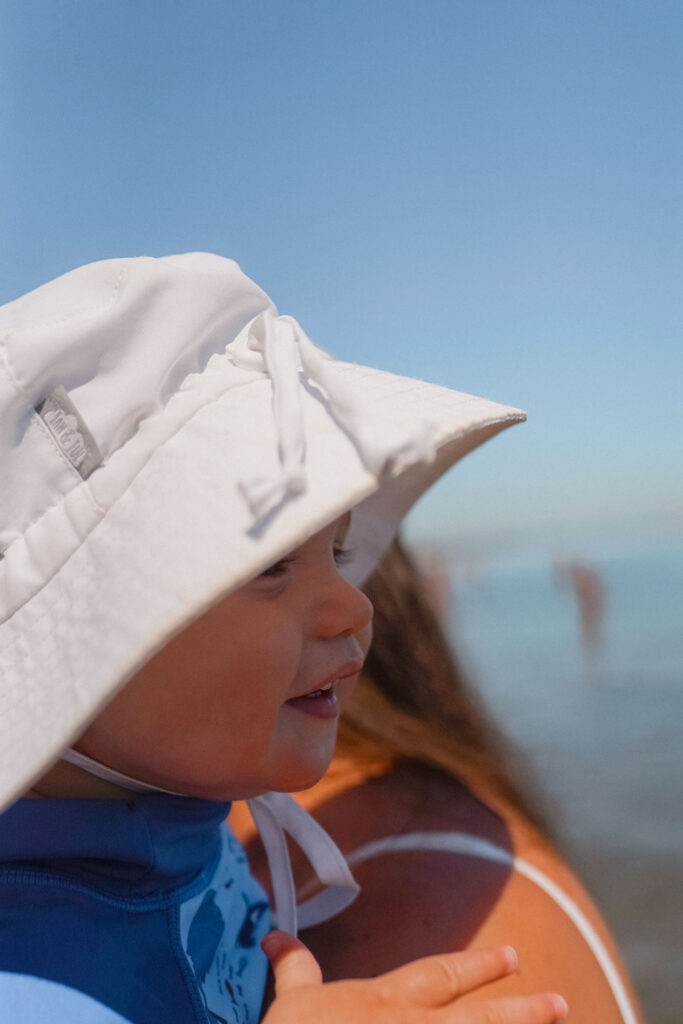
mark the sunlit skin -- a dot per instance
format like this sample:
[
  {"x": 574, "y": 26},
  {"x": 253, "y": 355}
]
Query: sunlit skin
[{"x": 221, "y": 711}]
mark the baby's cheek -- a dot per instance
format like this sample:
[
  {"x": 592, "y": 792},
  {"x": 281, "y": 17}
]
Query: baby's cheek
[
  {"x": 364, "y": 638},
  {"x": 262, "y": 662},
  {"x": 268, "y": 680}
]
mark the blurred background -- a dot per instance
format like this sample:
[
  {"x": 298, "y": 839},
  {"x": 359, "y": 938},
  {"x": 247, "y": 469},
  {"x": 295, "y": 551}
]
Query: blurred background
[{"x": 481, "y": 193}]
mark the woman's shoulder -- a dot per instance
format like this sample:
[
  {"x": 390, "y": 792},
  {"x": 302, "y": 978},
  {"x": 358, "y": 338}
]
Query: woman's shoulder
[
  {"x": 440, "y": 868},
  {"x": 401, "y": 798}
]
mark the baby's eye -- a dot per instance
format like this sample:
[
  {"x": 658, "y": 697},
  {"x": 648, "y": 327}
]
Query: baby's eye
[
  {"x": 277, "y": 569},
  {"x": 342, "y": 555}
]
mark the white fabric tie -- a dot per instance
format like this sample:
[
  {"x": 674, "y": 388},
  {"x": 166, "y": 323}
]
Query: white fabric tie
[
  {"x": 273, "y": 814},
  {"x": 277, "y": 813},
  {"x": 101, "y": 771},
  {"x": 279, "y": 346}
]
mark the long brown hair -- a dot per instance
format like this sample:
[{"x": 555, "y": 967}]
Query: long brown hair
[{"x": 413, "y": 702}]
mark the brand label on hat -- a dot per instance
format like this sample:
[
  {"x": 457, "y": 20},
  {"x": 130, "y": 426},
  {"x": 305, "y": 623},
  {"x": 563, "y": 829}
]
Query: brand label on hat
[{"x": 67, "y": 427}]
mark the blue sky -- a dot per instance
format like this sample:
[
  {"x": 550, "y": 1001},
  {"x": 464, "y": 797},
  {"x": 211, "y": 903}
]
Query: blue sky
[{"x": 488, "y": 194}]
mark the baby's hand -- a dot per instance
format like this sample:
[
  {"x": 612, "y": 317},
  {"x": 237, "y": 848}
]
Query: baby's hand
[{"x": 423, "y": 991}]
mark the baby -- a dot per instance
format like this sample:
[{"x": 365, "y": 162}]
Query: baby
[{"x": 191, "y": 493}]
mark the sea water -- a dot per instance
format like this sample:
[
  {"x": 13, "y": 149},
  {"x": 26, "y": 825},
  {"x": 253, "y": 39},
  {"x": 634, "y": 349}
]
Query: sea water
[{"x": 602, "y": 725}]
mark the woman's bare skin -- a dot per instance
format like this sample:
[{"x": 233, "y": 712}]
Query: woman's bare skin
[
  {"x": 431, "y": 990},
  {"x": 419, "y": 903}
]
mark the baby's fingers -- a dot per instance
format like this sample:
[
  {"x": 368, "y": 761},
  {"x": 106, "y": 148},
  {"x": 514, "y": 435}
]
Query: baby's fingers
[
  {"x": 437, "y": 980},
  {"x": 293, "y": 964},
  {"x": 540, "y": 1009}
]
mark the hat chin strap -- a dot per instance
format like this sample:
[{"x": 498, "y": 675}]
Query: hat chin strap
[
  {"x": 101, "y": 771},
  {"x": 273, "y": 814}
]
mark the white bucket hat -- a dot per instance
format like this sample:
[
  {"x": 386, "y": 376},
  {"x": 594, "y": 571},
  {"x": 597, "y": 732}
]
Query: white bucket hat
[{"x": 164, "y": 437}]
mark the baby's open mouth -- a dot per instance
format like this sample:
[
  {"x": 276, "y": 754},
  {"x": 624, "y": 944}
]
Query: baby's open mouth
[
  {"x": 322, "y": 703},
  {"x": 317, "y": 693}
]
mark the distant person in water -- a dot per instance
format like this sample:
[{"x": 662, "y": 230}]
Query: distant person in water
[
  {"x": 449, "y": 851},
  {"x": 589, "y": 592}
]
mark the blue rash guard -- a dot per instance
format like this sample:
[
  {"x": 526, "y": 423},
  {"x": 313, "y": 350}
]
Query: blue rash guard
[{"x": 118, "y": 913}]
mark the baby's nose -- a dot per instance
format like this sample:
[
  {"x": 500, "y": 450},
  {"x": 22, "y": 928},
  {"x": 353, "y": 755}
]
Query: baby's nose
[{"x": 344, "y": 612}]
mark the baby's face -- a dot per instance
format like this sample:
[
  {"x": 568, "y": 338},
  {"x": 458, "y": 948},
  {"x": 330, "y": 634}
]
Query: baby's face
[{"x": 248, "y": 697}]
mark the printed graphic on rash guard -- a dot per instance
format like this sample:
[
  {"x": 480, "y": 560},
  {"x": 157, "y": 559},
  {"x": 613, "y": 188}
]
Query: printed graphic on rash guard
[{"x": 220, "y": 930}]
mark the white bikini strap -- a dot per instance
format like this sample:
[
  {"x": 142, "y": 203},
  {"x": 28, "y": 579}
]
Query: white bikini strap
[
  {"x": 273, "y": 814},
  {"x": 474, "y": 846}
]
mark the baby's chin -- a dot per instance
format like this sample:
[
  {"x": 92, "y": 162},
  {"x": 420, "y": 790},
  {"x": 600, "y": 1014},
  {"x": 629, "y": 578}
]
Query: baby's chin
[
  {"x": 303, "y": 776},
  {"x": 294, "y": 780},
  {"x": 306, "y": 777}
]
